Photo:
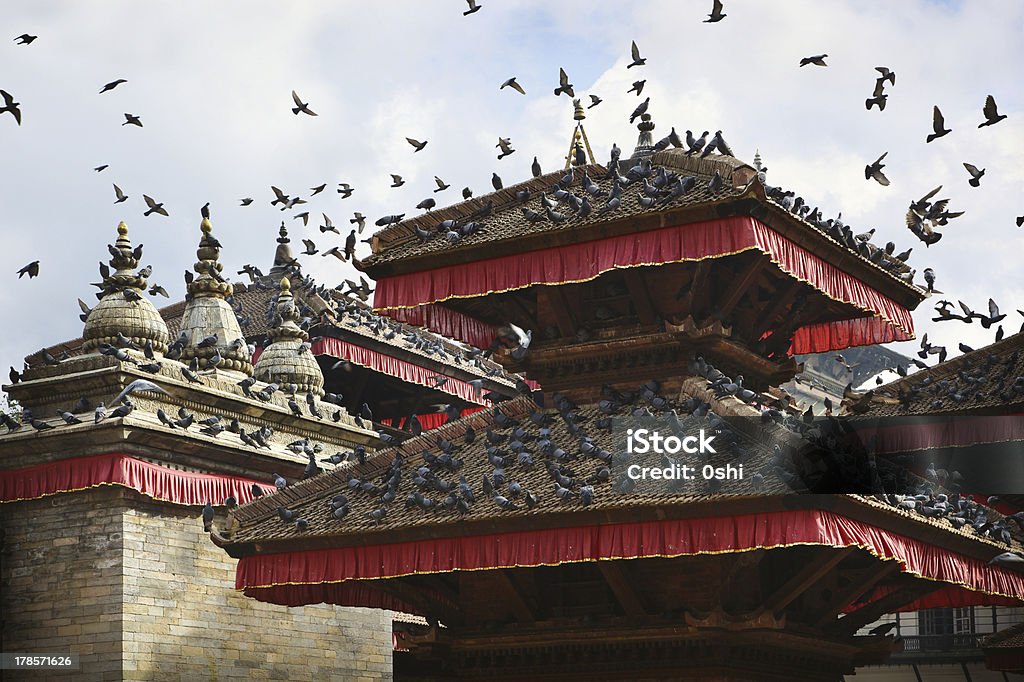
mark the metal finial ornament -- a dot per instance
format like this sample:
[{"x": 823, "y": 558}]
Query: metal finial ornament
[
  {"x": 283, "y": 258},
  {"x": 757, "y": 159},
  {"x": 645, "y": 141},
  {"x": 573, "y": 157}
]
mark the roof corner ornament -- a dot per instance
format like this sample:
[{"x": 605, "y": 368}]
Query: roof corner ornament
[{"x": 645, "y": 141}]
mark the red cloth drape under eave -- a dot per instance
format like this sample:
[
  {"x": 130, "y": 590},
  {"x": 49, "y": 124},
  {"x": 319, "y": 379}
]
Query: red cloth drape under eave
[
  {"x": 433, "y": 419},
  {"x": 404, "y": 296},
  {"x": 941, "y": 432},
  {"x": 392, "y": 366},
  {"x": 678, "y": 537},
  {"x": 152, "y": 480}
]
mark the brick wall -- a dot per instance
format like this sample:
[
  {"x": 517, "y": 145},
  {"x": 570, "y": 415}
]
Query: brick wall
[{"x": 139, "y": 591}]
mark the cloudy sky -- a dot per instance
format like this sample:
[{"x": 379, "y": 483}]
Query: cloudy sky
[{"x": 212, "y": 82}]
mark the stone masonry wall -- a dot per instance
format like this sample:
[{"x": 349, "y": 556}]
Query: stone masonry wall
[
  {"x": 184, "y": 619},
  {"x": 137, "y": 589},
  {"x": 60, "y": 581}
]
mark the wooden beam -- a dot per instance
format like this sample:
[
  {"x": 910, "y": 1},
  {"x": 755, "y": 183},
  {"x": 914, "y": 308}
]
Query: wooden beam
[
  {"x": 513, "y": 597},
  {"x": 420, "y": 599},
  {"x": 804, "y": 579},
  {"x": 699, "y": 285},
  {"x": 617, "y": 576},
  {"x": 860, "y": 584},
  {"x": 739, "y": 287},
  {"x": 564, "y": 318},
  {"x": 869, "y": 613},
  {"x": 640, "y": 295},
  {"x": 783, "y": 300}
]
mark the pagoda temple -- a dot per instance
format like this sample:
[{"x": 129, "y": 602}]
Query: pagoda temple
[{"x": 515, "y": 535}]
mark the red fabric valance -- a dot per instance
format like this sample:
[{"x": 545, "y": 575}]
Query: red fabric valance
[
  {"x": 940, "y": 432},
  {"x": 884, "y": 319},
  {"x": 152, "y": 480},
  {"x": 392, "y": 366},
  {"x": 433, "y": 419},
  {"x": 669, "y": 538}
]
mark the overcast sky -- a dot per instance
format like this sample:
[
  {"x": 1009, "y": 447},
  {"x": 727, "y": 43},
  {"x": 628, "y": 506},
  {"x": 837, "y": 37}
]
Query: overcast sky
[{"x": 212, "y": 82}]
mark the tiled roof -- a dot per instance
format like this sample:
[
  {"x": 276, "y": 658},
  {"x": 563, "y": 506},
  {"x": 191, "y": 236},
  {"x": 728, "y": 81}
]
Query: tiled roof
[
  {"x": 1009, "y": 638},
  {"x": 259, "y": 522},
  {"x": 982, "y": 380},
  {"x": 253, "y": 300},
  {"x": 508, "y": 223},
  {"x": 399, "y": 242},
  {"x": 353, "y": 321}
]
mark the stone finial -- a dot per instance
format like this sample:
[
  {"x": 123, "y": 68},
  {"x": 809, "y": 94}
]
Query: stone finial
[
  {"x": 288, "y": 358},
  {"x": 123, "y": 308},
  {"x": 208, "y": 313}
]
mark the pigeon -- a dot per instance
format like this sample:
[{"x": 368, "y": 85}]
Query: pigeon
[
  {"x": 496, "y": 181},
  {"x": 473, "y": 7},
  {"x": 992, "y": 116},
  {"x": 594, "y": 101},
  {"x": 716, "y": 13},
  {"x": 637, "y": 59},
  {"x": 328, "y": 225},
  {"x": 441, "y": 185},
  {"x": 10, "y": 106},
  {"x": 638, "y": 87},
  {"x": 874, "y": 171},
  {"x": 396, "y": 180},
  {"x": 938, "y": 126},
  {"x": 121, "y": 196},
  {"x": 929, "y": 278},
  {"x": 887, "y": 74},
  {"x": 640, "y": 110},
  {"x": 301, "y": 106},
  {"x": 319, "y": 188},
  {"x": 138, "y": 385},
  {"x": 506, "y": 147},
  {"x": 311, "y": 249},
  {"x": 511, "y": 83},
  {"x": 112, "y": 84},
  {"x": 100, "y": 169},
  {"x": 25, "y": 39},
  {"x": 154, "y": 207},
  {"x": 467, "y": 193},
  {"x": 976, "y": 174},
  {"x": 417, "y": 145},
  {"x": 878, "y": 97},
  {"x": 564, "y": 86},
  {"x": 32, "y": 270},
  {"x": 345, "y": 190},
  {"x": 427, "y": 204},
  {"x": 817, "y": 60},
  {"x": 246, "y": 201},
  {"x": 360, "y": 219},
  {"x": 132, "y": 119}
]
